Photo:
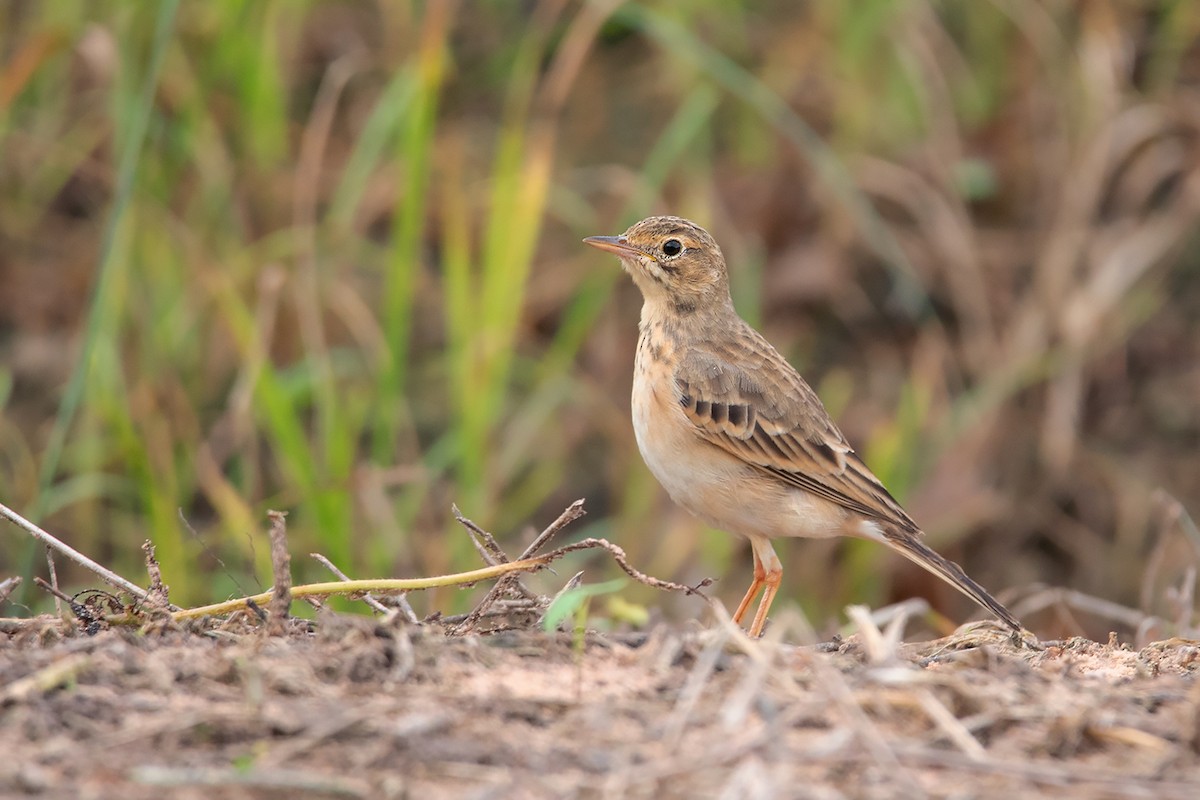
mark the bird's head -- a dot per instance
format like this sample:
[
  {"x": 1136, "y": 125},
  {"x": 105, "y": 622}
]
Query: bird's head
[{"x": 673, "y": 261}]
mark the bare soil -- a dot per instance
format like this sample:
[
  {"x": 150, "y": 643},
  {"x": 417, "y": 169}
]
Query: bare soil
[{"x": 356, "y": 707}]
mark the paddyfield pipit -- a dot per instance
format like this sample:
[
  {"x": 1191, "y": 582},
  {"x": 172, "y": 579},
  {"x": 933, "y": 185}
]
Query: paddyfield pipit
[{"x": 734, "y": 433}]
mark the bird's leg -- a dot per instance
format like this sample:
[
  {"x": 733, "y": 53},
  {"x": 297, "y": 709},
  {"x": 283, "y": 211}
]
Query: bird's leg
[
  {"x": 760, "y": 576},
  {"x": 772, "y": 576}
]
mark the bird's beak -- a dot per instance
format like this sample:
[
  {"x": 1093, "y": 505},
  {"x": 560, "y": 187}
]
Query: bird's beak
[{"x": 613, "y": 244}]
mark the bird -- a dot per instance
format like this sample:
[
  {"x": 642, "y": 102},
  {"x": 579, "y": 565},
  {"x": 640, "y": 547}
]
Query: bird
[{"x": 734, "y": 433}]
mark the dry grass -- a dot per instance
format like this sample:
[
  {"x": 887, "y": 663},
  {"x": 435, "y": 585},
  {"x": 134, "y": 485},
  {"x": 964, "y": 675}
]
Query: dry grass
[
  {"x": 365, "y": 709},
  {"x": 328, "y": 261},
  {"x": 243, "y": 699}
]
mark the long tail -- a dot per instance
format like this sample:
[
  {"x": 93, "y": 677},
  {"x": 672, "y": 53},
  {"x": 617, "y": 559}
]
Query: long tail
[{"x": 915, "y": 550}]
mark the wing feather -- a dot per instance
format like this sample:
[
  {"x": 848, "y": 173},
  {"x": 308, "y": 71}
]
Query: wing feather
[{"x": 763, "y": 412}]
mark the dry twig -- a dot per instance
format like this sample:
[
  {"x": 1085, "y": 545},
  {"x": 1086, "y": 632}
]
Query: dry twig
[
  {"x": 622, "y": 560},
  {"x": 8, "y": 586},
  {"x": 57, "y": 593},
  {"x": 283, "y": 592},
  {"x": 159, "y": 594},
  {"x": 570, "y": 514},
  {"x": 492, "y": 553},
  {"x": 53, "y": 580},
  {"x": 356, "y": 587},
  {"x": 281, "y": 566},
  {"x": 74, "y": 555},
  {"x": 485, "y": 544}
]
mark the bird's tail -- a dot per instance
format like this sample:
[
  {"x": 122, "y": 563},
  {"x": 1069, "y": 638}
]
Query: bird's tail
[{"x": 915, "y": 550}]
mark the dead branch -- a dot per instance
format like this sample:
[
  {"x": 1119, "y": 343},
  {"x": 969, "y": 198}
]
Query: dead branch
[
  {"x": 392, "y": 585},
  {"x": 57, "y": 593},
  {"x": 281, "y": 567},
  {"x": 53, "y": 572},
  {"x": 491, "y": 551},
  {"x": 74, "y": 555},
  {"x": 159, "y": 594},
  {"x": 485, "y": 543},
  {"x": 8, "y": 586},
  {"x": 569, "y": 515},
  {"x": 623, "y": 562},
  {"x": 279, "y": 598}
]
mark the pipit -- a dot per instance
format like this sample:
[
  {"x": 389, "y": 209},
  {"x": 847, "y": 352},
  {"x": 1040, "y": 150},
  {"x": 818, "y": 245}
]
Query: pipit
[{"x": 734, "y": 433}]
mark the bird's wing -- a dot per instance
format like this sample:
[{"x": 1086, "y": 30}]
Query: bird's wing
[{"x": 751, "y": 403}]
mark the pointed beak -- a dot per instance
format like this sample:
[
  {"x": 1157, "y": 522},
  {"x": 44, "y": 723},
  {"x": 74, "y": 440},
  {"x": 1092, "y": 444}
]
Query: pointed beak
[{"x": 613, "y": 244}]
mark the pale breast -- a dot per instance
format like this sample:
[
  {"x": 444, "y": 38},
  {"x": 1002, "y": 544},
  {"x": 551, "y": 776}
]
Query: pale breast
[{"x": 716, "y": 486}]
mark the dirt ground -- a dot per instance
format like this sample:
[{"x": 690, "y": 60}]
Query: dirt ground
[{"x": 352, "y": 706}]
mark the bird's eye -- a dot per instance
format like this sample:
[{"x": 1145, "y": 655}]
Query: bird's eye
[{"x": 672, "y": 247}]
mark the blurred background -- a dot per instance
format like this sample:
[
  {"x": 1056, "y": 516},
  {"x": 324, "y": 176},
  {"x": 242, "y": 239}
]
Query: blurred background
[{"x": 324, "y": 257}]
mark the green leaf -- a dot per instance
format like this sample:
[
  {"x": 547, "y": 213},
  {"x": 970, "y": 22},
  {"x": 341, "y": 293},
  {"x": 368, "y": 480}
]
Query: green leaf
[{"x": 567, "y": 603}]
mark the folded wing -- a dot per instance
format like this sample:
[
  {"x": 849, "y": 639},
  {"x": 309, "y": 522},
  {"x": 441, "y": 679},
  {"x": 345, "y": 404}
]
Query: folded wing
[{"x": 760, "y": 410}]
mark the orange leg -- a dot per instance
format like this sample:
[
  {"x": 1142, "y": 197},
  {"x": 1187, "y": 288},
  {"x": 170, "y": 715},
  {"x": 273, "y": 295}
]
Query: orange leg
[
  {"x": 760, "y": 576},
  {"x": 768, "y": 571},
  {"x": 772, "y": 575}
]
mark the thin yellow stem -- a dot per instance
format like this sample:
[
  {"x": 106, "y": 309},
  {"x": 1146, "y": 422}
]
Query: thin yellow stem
[{"x": 371, "y": 585}]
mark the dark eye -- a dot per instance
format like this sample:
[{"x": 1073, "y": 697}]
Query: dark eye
[{"x": 672, "y": 247}]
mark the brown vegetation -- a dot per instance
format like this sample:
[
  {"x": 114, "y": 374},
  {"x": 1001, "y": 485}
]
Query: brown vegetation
[{"x": 326, "y": 259}]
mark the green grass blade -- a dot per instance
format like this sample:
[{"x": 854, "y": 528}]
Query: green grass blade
[
  {"x": 685, "y": 46},
  {"x": 138, "y": 113}
]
